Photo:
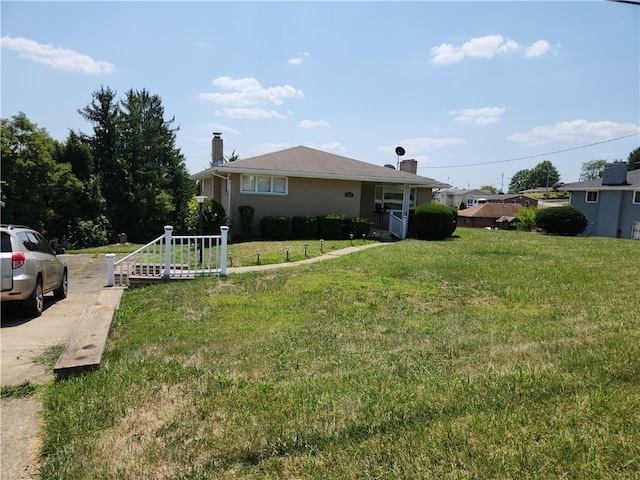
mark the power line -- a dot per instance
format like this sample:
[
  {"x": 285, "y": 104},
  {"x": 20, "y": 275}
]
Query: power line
[{"x": 534, "y": 156}]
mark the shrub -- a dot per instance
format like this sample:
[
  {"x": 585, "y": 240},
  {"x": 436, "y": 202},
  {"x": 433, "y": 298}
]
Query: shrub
[
  {"x": 565, "y": 220},
  {"x": 356, "y": 226},
  {"x": 330, "y": 226},
  {"x": 213, "y": 217},
  {"x": 246, "y": 219},
  {"x": 527, "y": 218},
  {"x": 434, "y": 221},
  {"x": 304, "y": 227},
  {"x": 275, "y": 227}
]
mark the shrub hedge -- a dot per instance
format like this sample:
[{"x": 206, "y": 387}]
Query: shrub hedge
[
  {"x": 434, "y": 221},
  {"x": 330, "y": 226},
  {"x": 304, "y": 227},
  {"x": 565, "y": 220},
  {"x": 275, "y": 227}
]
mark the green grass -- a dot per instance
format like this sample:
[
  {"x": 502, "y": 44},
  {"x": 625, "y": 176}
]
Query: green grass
[
  {"x": 23, "y": 390},
  {"x": 492, "y": 355}
]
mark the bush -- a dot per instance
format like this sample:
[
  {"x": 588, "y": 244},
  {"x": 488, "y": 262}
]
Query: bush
[
  {"x": 527, "y": 218},
  {"x": 330, "y": 226},
  {"x": 304, "y": 227},
  {"x": 275, "y": 227},
  {"x": 246, "y": 219},
  {"x": 565, "y": 220},
  {"x": 434, "y": 221},
  {"x": 213, "y": 217},
  {"x": 356, "y": 226}
]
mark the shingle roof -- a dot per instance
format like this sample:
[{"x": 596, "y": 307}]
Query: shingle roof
[
  {"x": 491, "y": 210},
  {"x": 311, "y": 163},
  {"x": 633, "y": 183}
]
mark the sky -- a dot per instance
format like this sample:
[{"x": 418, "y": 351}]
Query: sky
[{"x": 474, "y": 91}]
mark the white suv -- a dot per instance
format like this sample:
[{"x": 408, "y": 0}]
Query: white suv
[{"x": 30, "y": 269}]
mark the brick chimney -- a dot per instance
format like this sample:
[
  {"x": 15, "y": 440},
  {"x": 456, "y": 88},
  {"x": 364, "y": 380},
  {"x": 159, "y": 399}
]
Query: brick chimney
[
  {"x": 217, "y": 154},
  {"x": 410, "y": 165}
]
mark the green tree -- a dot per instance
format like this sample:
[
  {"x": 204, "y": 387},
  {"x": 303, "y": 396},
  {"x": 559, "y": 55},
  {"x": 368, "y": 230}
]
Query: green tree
[
  {"x": 592, "y": 169},
  {"x": 233, "y": 157},
  {"x": 634, "y": 159},
  {"x": 489, "y": 188},
  {"x": 37, "y": 190},
  {"x": 544, "y": 174},
  {"x": 519, "y": 181},
  {"x": 527, "y": 218}
]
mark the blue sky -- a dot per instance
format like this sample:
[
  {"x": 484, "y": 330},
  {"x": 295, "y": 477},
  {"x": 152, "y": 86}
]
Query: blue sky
[{"x": 475, "y": 91}]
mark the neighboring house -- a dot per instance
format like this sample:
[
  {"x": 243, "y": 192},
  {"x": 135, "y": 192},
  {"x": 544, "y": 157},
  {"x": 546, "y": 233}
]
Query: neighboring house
[
  {"x": 302, "y": 181},
  {"x": 523, "y": 200},
  {"x": 454, "y": 197},
  {"x": 488, "y": 214},
  {"x": 611, "y": 203}
]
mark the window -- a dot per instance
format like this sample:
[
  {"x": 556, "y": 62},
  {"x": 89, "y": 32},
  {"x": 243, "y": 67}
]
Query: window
[
  {"x": 636, "y": 196},
  {"x": 390, "y": 198},
  {"x": 592, "y": 197},
  {"x": 263, "y": 184}
]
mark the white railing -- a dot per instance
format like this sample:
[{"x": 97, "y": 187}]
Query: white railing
[
  {"x": 397, "y": 224},
  {"x": 171, "y": 256}
]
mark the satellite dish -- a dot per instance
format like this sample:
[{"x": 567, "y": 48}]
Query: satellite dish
[
  {"x": 399, "y": 151},
  {"x": 388, "y": 165}
]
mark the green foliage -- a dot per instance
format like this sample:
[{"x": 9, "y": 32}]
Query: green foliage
[
  {"x": 304, "y": 227},
  {"x": 544, "y": 174},
  {"x": 565, "y": 220},
  {"x": 592, "y": 169},
  {"x": 275, "y": 227},
  {"x": 489, "y": 188},
  {"x": 246, "y": 219},
  {"x": 213, "y": 217},
  {"x": 527, "y": 218},
  {"x": 22, "y": 390},
  {"x": 633, "y": 160},
  {"x": 434, "y": 221},
  {"x": 356, "y": 227},
  {"x": 330, "y": 226}
]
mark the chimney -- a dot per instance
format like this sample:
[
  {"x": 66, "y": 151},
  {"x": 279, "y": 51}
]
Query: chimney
[
  {"x": 217, "y": 155},
  {"x": 409, "y": 165},
  {"x": 615, "y": 174}
]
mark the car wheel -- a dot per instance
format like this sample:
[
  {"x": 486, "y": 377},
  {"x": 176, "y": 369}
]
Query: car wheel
[
  {"x": 61, "y": 291},
  {"x": 34, "y": 306}
]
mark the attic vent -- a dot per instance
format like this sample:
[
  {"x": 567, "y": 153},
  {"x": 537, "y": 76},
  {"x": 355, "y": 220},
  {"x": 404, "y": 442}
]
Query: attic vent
[{"x": 615, "y": 174}]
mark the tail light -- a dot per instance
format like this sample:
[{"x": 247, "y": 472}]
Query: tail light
[{"x": 17, "y": 260}]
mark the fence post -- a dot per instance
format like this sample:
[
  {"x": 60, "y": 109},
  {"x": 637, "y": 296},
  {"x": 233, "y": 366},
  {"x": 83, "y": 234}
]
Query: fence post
[
  {"x": 110, "y": 269},
  {"x": 167, "y": 250},
  {"x": 224, "y": 232}
]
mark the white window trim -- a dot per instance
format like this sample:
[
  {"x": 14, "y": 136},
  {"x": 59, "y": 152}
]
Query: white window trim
[
  {"x": 636, "y": 195},
  {"x": 586, "y": 196},
  {"x": 255, "y": 184},
  {"x": 385, "y": 188}
]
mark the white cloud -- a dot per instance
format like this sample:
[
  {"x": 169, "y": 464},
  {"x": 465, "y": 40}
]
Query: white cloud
[
  {"x": 415, "y": 147},
  {"x": 298, "y": 60},
  {"x": 537, "y": 49},
  {"x": 335, "y": 147},
  {"x": 477, "y": 116},
  {"x": 313, "y": 124},
  {"x": 576, "y": 131},
  {"x": 57, "y": 57},
  {"x": 247, "y": 98},
  {"x": 485, "y": 47},
  {"x": 249, "y": 113}
]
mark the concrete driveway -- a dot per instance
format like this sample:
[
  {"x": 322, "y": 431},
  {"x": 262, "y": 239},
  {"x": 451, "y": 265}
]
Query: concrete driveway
[{"x": 22, "y": 340}]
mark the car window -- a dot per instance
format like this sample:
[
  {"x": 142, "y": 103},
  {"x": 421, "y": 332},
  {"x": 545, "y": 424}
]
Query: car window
[
  {"x": 43, "y": 245},
  {"x": 29, "y": 240},
  {"x": 6, "y": 242}
]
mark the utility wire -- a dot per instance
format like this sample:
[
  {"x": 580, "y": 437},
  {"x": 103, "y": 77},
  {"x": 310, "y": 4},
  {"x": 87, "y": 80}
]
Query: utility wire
[{"x": 533, "y": 156}]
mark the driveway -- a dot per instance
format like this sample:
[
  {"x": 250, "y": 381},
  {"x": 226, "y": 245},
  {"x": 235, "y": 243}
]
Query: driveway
[{"x": 22, "y": 340}]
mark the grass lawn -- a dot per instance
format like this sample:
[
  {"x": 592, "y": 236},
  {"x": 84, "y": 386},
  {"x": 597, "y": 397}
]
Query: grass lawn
[{"x": 494, "y": 355}]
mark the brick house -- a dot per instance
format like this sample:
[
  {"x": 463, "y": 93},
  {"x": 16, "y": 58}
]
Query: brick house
[
  {"x": 303, "y": 181},
  {"x": 488, "y": 214}
]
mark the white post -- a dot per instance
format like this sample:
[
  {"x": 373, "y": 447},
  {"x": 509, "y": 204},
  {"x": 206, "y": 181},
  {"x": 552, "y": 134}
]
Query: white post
[
  {"x": 224, "y": 232},
  {"x": 110, "y": 269},
  {"x": 406, "y": 197},
  {"x": 167, "y": 250}
]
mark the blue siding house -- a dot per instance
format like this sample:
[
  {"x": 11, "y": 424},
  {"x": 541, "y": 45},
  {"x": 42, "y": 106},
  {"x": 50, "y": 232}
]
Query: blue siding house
[{"x": 611, "y": 203}]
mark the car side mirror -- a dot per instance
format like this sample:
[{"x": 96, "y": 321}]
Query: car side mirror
[{"x": 60, "y": 250}]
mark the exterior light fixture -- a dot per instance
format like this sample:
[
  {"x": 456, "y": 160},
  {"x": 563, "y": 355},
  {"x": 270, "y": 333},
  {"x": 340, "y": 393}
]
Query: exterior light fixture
[
  {"x": 286, "y": 249},
  {"x": 258, "y": 254},
  {"x": 321, "y": 246},
  {"x": 306, "y": 246}
]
